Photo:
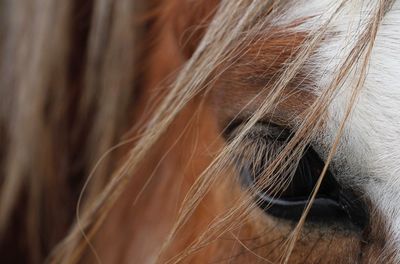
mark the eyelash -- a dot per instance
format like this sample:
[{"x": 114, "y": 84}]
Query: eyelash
[{"x": 333, "y": 203}]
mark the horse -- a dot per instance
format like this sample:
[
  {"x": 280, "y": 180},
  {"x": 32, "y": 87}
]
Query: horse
[{"x": 215, "y": 131}]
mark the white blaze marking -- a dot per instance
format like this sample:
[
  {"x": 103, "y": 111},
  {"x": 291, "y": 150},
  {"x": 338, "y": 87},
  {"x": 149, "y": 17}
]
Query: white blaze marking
[{"x": 369, "y": 153}]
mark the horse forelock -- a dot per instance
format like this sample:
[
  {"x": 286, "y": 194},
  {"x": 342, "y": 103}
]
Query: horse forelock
[{"x": 360, "y": 153}]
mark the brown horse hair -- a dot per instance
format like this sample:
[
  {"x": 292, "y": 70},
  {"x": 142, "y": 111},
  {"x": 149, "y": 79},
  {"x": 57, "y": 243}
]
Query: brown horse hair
[
  {"x": 71, "y": 87},
  {"x": 63, "y": 61}
]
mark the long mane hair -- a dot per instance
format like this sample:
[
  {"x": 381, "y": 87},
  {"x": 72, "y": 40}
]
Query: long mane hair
[{"x": 87, "y": 98}]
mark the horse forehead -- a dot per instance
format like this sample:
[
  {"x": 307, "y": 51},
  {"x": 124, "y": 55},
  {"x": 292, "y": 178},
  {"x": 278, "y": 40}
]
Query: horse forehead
[{"x": 372, "y": 135}]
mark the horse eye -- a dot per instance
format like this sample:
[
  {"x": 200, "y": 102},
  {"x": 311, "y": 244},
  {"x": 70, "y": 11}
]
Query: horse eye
[{"x": 333, "y": 202}]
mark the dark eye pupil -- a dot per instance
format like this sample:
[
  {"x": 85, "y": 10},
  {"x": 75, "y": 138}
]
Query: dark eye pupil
[
  {"x": 305, "y": 178},
  {"x": 332, "y": 203}
]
